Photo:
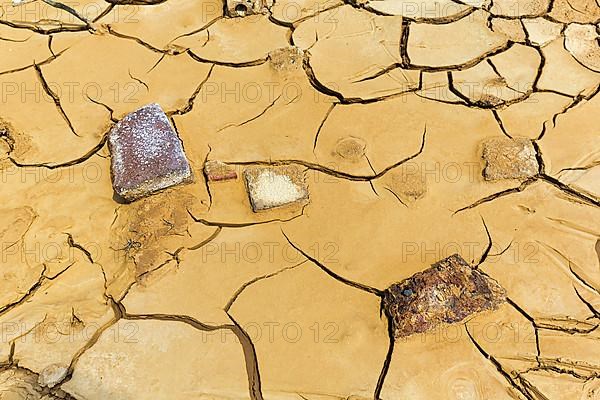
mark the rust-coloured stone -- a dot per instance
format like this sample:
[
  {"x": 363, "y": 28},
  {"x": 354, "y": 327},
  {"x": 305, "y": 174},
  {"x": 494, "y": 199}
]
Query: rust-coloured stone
[
  {"x": 219, "y": 171},
  {"x": 146, "y": 154},
  {"x": 446, "y": 293}
]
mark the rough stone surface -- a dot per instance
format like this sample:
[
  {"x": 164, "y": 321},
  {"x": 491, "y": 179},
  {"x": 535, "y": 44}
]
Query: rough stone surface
[
  {"x": 242, "y": 8},
  {"x": 287, "y": 59},
  {"x": 509, "y": 159},
  {"x": 450, "y": 291},
  {"x": 52, "y": 375},
  {"x": 20, "y": 384},
  {"x": 275, "y": 186},
  {"x": 146, "y": 154},
  {"x": 218, "y": 171}
]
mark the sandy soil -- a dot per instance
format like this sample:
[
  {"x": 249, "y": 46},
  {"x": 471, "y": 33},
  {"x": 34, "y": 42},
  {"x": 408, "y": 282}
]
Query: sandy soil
[{"x": 410, "y": 131}]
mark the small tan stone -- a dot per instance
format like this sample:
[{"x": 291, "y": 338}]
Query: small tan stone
[
  {"x": 351, "y": 149},
  {"x": 270, "y": 187},
  {"x": 52, "y": 375},
  {"x": 287, "y": 59},
  {"x": 509, "y": 159}
]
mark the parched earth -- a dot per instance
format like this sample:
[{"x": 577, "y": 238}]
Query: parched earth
[{"x": 420, "y": 130}]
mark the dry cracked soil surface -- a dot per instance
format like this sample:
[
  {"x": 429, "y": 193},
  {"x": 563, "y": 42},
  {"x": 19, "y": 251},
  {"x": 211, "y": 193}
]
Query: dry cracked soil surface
[{"x": 389, "y": 199}]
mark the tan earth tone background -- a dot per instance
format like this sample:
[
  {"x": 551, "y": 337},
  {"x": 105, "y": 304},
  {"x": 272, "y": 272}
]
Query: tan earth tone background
[{"x": 422, "y": 129}]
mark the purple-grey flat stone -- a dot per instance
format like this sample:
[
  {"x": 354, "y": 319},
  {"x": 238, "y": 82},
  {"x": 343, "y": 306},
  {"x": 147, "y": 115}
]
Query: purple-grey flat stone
[{"x": 146, "y": 154}]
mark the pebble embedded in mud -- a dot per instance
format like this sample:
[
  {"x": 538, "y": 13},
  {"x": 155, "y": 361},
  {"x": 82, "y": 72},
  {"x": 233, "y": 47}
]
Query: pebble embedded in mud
[
  {"x": 12, "y": 143},
  {"x": 351, "y": 148},
  {"x": 509, "y": 159},
  {"x": 242, "y": 8},
  {"x": 448, "y": 292},
  {"x": 52, "y": 375},
  {"x": 146, "y": 154},
  {"x": 21, "y": 384},
  {"x": 270, "y": 187},
  {"x": 287, "y": 58},
  {"x": 410, "y": 185},
  {"x": 216, "y": 171}
]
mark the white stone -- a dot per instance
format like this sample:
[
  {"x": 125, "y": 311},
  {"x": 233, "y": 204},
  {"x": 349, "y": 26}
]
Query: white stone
[{"x": 274, "y": 187}]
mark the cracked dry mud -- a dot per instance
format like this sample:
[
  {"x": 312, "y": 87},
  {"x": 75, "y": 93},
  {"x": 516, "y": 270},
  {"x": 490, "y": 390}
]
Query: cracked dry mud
[{"x": 415, "y": 131}]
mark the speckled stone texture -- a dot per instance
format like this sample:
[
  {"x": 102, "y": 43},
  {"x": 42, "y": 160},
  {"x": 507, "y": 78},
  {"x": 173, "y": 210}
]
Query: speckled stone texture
[
  {"x": 446, "y": 293},
  {"x": 270, "y": 187},
  {"x": 147, "y": 155},
  {"x": 242, "y": 8},
  {"x": 509, "y": 159}
]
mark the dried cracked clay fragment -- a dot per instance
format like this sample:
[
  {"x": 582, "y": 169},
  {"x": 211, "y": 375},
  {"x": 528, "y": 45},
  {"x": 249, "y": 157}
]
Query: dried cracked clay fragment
[
  {"x": 448, "y": 292},
  {"x": 147, "y": 155},
  {"x": 582, "y": 42}
]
